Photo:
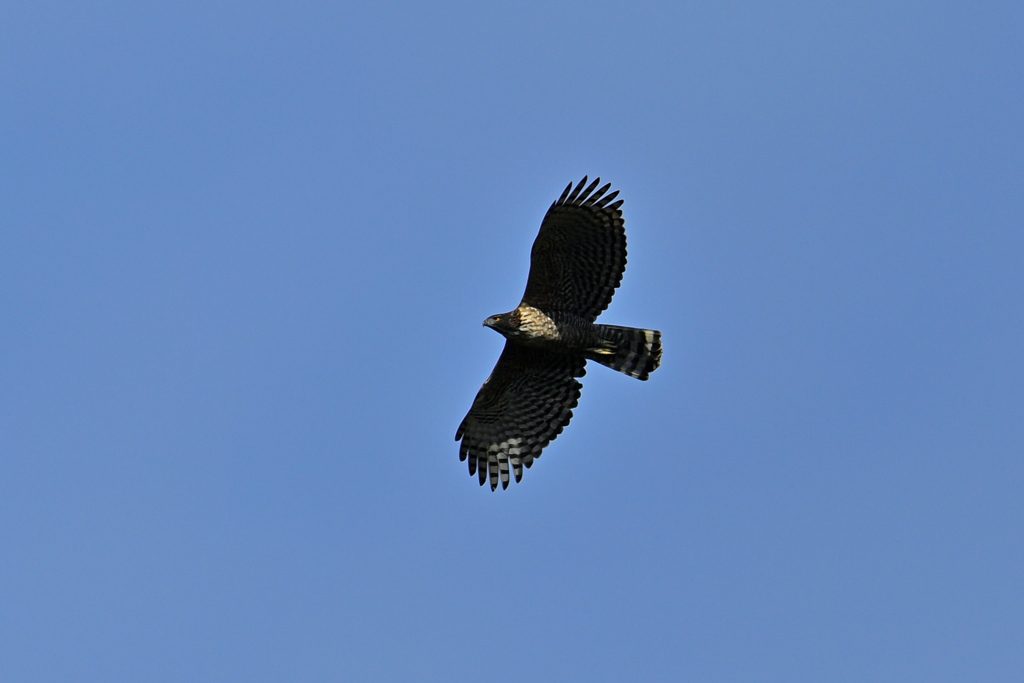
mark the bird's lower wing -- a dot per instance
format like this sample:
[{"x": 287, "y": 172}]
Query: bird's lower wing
[{"x": 523, "y": 405}]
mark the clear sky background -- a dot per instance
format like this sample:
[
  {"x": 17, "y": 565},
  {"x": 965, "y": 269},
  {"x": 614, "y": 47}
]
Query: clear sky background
[{"x": 245, "y": 254}]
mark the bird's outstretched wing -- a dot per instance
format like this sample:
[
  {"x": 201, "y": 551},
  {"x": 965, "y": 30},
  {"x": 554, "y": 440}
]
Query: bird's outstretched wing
[
  {"x": 580, "y": 253},
  {"x": 523, "y": 405}
]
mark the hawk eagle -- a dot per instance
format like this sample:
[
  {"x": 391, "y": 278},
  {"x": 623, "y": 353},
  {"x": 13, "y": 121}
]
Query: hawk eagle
[{"x": 575, "y": 265}]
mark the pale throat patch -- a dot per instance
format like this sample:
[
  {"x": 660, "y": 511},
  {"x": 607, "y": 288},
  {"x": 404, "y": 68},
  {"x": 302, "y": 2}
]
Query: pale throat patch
[{"x": 535, "y": 324}]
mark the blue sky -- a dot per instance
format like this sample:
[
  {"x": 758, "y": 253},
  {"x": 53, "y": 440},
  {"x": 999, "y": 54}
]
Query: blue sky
[{"x": 245, "y": 254}]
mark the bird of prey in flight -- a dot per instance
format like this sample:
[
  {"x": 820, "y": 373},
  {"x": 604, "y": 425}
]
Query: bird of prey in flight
[{"x": 575, "y": 266}]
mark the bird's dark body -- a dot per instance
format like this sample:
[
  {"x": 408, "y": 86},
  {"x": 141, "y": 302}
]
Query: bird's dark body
[
  {"x": 576, "y": 264},
  {"x": 556, "y": 332}
]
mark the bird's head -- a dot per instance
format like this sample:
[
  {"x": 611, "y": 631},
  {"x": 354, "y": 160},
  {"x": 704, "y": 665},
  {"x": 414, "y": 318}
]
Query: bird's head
[{"x": 505, "y": 323}]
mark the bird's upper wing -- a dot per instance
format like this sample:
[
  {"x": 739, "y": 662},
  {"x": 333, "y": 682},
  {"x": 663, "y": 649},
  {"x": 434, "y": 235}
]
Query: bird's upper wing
[
  {"x": 580, "y": 253},
  {"x": 523, "y": 405}
]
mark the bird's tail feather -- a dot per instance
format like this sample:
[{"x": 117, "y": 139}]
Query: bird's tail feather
[{"x": 629, "y": 350}]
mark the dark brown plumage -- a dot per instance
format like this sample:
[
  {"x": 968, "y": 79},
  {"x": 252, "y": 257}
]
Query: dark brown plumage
[{"x": 576, "y": 264}]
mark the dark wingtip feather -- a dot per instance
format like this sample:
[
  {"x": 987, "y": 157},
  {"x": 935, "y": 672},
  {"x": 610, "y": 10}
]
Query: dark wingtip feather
[
  {"x": 592, "y": 200},
  {"x": 576, "y": 193},
  {"x": 565, "y": 193},
  {"x": 590, "y": 188},
  {"x": 604, "y": 201}
]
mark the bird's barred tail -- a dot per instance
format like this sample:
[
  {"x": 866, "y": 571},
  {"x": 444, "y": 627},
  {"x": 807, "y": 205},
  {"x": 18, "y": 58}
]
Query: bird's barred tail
[{"x": 629, "y": 350}]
